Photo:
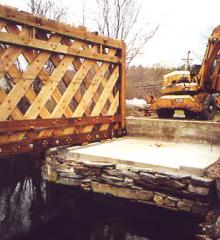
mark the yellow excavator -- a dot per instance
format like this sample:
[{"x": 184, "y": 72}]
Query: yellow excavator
[{"x": 196, "y": 92}]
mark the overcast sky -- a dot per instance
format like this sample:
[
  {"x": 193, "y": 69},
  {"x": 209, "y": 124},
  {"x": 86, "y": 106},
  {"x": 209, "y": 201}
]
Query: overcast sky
[{"x": 184, "y": 25}]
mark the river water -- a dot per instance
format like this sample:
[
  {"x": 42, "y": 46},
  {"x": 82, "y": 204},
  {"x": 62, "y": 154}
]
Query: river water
[{"x": 33, "y": 210}]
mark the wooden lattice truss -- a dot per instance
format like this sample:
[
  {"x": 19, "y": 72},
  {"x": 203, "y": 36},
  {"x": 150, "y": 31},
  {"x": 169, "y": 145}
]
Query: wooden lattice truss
[{"x": 58, "y": 84}]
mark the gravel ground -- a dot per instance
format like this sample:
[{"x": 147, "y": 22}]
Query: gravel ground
[
  {"x": 207, "y": 227},
  {"x": 213, "y": 171}
]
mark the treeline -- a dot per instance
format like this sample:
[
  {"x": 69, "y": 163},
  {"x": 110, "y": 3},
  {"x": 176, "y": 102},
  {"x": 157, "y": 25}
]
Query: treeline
[{"x": 146, "y": 81}]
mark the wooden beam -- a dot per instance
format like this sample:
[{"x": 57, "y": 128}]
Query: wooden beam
[
  {"x": 103, "y": 97},
  {"x": 22, "y": 86},
  {"x": 91, "y": 90},
  {"x": 30, "y": 94},
  {"x": 93, "y": 82},
  {"x": 111, "y": 111},
  {"x": 43, "y": 74},
  {"x": 107, "y": 91},
  {"x": 39, "y": 145},
  {"x": 28, "y": 19},
  {"x": 72, "y": 89},
  {"x": 123, "y": 86},
  {"x": 26, "y": 41},
  {"x": 38, "y": 124},
  {"x": 47, "y": 90}
]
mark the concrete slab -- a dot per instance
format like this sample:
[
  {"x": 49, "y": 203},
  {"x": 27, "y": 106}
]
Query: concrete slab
[{"x": 190, "y": 158}]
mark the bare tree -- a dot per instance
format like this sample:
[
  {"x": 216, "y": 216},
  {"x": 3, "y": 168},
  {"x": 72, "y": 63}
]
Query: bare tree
[
  {"x": 47, "y": 8},
  {"x": 51, "y": 10},
  {"x": 120, "y": 19}
]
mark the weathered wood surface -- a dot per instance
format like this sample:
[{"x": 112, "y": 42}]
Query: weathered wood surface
[
  {"x": 56, "y": 81},
  {"x": 25, "y": 18}
]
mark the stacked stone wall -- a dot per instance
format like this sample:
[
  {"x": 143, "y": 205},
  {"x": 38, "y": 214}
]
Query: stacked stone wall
[{"x": 174, "y": 191}]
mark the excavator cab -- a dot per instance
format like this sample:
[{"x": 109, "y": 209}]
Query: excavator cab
[
  {"x": 178, "y": 82},
  {"x": 176, "y": 77},
  {"x": 194, "y": 70}
]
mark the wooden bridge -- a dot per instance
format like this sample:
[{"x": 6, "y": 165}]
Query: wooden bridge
[{"x": 59, "y": 85}]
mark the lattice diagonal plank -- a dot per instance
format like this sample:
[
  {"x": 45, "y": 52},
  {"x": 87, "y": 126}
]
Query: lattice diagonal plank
[
  {"x": 40, "y": 100},
  {"x": 22, "y": 86},
  {"x": 16, "y": 74},
  {"x": 112, "y": 52},
  {"x": 11, "y": 54},
  {"x": 92, "y": 88},
  {"x": 2, "y": 24},
  {"x": 66, "y": 78},
  {"x": 112, "y": 110},
  {"x": 16, "y": 114},
  {"x": 43, "y": 74},
  {"x": 69, "y": 93},
  {"x": 104, "y": 97},
  {"x": 86, "y": 81},
  {"x": 48, "y": 89},
  {"x": 77, "y": 63},
  {"x": 103, "y": 82},
  {"x": 55, "y": 59},
  {"x": 72, "y": 88},
  {"x": 90, "y": 91},
  {"x": 30, "y": 94},
  {"x": 44, "y": 77},
  {"x": 8, "y": 57}
]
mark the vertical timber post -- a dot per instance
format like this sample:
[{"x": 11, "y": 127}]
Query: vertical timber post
[{"x": 123, "y": 85}]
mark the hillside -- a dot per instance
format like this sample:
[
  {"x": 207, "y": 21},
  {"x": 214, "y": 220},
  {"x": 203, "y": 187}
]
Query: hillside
[{"x": 143, "y": 81}]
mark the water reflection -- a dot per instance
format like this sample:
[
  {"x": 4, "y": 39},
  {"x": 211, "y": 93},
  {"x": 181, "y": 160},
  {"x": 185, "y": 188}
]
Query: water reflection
[
  {"x": 91, "y": 217},
  {"x": 72, "y": 214},
  {"x": 20, "y": 194}
]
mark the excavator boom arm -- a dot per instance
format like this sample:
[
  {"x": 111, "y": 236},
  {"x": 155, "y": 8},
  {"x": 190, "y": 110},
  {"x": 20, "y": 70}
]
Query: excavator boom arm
[{"x": 210, "y": 69}]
